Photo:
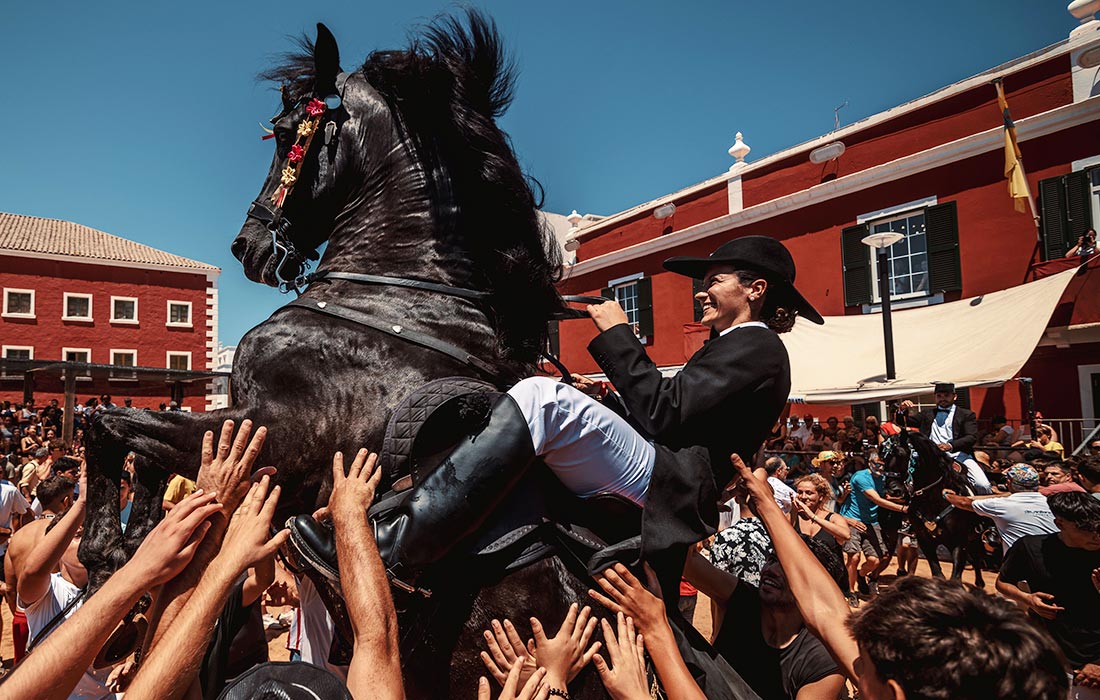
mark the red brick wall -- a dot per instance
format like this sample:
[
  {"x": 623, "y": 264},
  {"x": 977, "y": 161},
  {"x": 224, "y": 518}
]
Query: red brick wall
[{"x": 150, "y": 337}]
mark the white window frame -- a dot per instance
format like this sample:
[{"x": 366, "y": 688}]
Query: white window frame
[
  {"x": 171, "y": 353},
  {"x": 4, "y": 354},
  {"x": 134, "y": 320},
  {"x": 12, "y": 314},
  {"x": 114, "y": 378},
  {"x": 65, "y": 307},
  {"x": 622, "y": 282},
  {"x": 190, "y": 318},
  {"x": 898, "y": 214},
  {"x": 64, "y": 357},
  {"x": 1094, "y": 195}
]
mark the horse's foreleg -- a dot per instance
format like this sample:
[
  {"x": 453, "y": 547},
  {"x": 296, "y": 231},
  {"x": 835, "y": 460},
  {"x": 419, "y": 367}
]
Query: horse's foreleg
[
  {"x": 928, "y": 548},
  {"x": 958, "y": 561}
]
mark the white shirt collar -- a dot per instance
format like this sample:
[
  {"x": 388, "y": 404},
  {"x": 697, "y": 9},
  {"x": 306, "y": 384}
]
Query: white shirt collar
[{"x": 746, "y": 324}]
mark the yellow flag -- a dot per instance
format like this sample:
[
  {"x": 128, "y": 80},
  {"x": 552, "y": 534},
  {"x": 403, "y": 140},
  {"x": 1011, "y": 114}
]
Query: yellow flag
[{"x": 1014, "y": 169}]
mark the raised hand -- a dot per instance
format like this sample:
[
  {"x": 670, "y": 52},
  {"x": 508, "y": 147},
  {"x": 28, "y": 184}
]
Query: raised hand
[
  {"x": 624, "y": 593},
  {"x": 625, "y": 678},
  {"x": 506, "y": 649},
  {"x": 533, "y": 689},
  {"x": 226, "y": 471},
  {"x": 247, "y": 539},
  {"x": 566, "y": 653},
  {"x": 607, "y": 314},
  {"x": 172, "y": 543},
  {"x": 804, "y": 511},
  {"x": 353, "y": 494}
]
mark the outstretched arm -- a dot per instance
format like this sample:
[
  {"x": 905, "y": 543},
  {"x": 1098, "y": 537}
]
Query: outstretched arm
[
  {"x": 72, "y": 647},
  {"x": 375, "y": 670},
  {"x": 819, "y": 600},
  {"x": 41, "y": 561}
]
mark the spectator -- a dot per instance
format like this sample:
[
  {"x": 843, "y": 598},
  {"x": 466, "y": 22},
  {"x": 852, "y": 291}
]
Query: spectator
[
  {"x": 813, "y": 519},
  {"x": 1046, "y": 441},
  {"x": 861, "y": 511},
  {"x": 790, "y": 429},
  {"x": 1088, "y": 469},
  {"x": 742, "y": 548},
  {"x": 125, "y": 498},
  {"x": 1003, "y": 434},
  {"x": 1094, "y": 447},
  {"x": 1055, "y": 473},
  {"x": 1062, "y": 582},
  {"x": 777, "y": 472},
  {"x": 832, "y": 427},
  {"x": 801, "y": 433},
  {"x": 871, "y": 431},
  {"x": 179, "y": 488},
  {"x": 818, "y": 440},
  {"x": 828, "y": 463},
  {"x": 1024, "y": 512},
  {"x": 1086, "y": 245}
]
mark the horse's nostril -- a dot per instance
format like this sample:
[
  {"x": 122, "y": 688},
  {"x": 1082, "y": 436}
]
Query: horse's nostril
[{"x": 239, "y": 246}]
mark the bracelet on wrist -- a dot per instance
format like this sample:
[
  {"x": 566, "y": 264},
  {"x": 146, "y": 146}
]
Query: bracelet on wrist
[{"x": 558, "y": 692}]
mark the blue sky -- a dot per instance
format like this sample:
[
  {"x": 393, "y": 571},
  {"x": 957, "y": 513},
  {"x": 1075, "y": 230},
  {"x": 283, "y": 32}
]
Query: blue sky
[{"x": 141, "y": 119}]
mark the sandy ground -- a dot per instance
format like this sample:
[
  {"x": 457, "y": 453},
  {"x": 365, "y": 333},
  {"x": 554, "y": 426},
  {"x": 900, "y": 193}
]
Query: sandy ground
[{"x": 277, "y": 638}]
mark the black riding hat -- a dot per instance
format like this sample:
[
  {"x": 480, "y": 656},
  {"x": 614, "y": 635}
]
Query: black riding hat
[{"x": 758, "y": 253}]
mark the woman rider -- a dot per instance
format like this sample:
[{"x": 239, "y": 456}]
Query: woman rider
[{"x": 663, "y": 442}]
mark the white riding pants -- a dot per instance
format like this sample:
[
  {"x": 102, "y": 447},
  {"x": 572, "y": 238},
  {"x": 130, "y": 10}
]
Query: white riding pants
[
  {"x": 587, "y": 445},
  {"x": 978, "y": 480}
]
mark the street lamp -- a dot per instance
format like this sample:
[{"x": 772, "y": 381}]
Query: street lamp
[{"x": 883, "y": 240}]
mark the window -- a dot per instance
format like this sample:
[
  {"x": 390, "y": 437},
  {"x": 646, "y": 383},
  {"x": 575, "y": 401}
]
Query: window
[
  {"x": 18, "y": 303},
  {"x": 16, "y": 352},
  {"x": 635, "y": 294},
  {"x": 179, "y": 314},
  {"x": 123, "y": 358},
  {"x": 908, "y": 257},
  {"x": 924, "y": 263},
  {"x": 1069, "y": 205},
  {"x": 78, "y": 355},
  {"x": 179, "y": 360},
  {"x": 124, "y": 310},
  {"x": 78, "y": 307}
]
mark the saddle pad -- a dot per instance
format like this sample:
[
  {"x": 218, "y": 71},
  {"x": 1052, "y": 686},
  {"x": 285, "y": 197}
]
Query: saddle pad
[{"x": 413, "y": 411}]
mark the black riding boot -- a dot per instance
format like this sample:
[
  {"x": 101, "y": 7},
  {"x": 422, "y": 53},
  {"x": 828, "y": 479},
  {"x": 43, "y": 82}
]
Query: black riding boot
[{"x": 448, "y": 505}]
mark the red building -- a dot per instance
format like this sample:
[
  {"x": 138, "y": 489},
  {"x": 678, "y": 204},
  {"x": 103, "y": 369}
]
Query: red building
[
  {"x": 932, "y": 169},
  {"x": 77, "y": 294}
]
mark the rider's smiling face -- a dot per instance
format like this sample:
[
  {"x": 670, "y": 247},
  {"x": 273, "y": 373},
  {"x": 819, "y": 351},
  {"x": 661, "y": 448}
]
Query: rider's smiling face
[{"x": 725, "y": 301}]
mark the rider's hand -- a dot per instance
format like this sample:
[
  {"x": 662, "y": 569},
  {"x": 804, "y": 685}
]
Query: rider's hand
[
  {"x": 625, "y": 679},
  {"x": 607, "y": 314},
  {"x": 944, "y": 446},
  {"x": 905, "y": 405},
  {"x": 506, "y": 649},
  {"x": 1042, "y": 605},
  {"x": 566, "y": 653},
  {"x": 589, "y": 386},
  {"x": 1088, "y": 676},
  {"x": 225, "y": 472}
]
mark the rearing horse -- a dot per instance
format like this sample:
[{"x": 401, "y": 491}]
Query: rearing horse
[
  {"x": 927, "y": 471},
  {"x": 436, "y": 266}
]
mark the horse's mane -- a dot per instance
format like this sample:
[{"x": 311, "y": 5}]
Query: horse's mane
[
  {"x": 446, "y": 90},
  {"x": 930, "y": 453}
]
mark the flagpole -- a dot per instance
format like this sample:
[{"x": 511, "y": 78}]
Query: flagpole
[{"x": 998, "y": 83}]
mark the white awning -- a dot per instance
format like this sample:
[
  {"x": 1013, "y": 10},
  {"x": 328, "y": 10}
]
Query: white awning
[{"x": 981, "y": 341}]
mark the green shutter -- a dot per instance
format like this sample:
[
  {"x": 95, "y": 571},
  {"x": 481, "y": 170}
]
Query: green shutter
[
  {"x": 608, "y": 293},
  {"x": 860, "y": 411},
  {"x": 1078, "y": 206},
  {"x": 942, "y": 232},
  {"x": 552, "y": 340},
  {"x": 697, "y": 308},
  {"x": 856, "y": 259},
  {"x": 1052, "y": 220},
  {"x": 962, "y": 397},
  {"x": 645, "y": 307}
]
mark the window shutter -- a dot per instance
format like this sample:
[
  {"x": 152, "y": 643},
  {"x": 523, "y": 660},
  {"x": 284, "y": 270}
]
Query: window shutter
[
  {"x": 860, "y": 411},
  {"x": 856, "y": 259},
  {"x": 696, "y": 287},
  {"x": 1077, "y": 206},
  {"x": 552, "y": 340},
  {"x": 608, "y": 293},
  {"x": 645, "y": 307},
  {"x": 942, "y": 231},
  {"x": 962, "y": 397},
  {"x": 1053, "y": 223}
]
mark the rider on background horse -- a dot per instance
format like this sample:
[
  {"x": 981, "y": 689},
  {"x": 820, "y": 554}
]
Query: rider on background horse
[{"x": 954, "y": 429}]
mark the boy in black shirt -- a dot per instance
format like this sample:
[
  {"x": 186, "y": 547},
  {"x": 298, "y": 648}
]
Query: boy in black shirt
[{"x": 1058, "y": 571}]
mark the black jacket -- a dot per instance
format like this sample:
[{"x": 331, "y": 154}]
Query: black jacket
[
  {"x": 964, "y": 426},
  {"x": 726, "y": 399}
]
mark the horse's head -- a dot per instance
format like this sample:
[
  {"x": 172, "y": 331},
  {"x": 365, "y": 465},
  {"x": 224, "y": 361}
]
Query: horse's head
[
  {"x": 325, "y": 120},
  {"x": 895, "y": 452}
]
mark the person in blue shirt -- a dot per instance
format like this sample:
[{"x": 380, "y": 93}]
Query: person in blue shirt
[
  {"x": 124, "y": 502},
  {"x": 860, "y": 509}
]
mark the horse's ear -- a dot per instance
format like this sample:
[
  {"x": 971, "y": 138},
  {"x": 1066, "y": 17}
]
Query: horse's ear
[{"x": 326, "y": 62}]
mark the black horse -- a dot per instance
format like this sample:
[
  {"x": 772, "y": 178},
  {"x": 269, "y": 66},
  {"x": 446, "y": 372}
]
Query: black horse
[
  {"x": 925, "y": 471},
  {"x": 403, "y": 171}
]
